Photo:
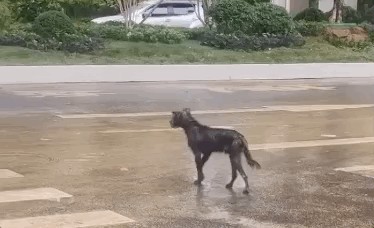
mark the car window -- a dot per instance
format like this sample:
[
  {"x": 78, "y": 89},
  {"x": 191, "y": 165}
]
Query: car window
[
  {"x": 173, "y": 9},
  {"x": 183, "y": 9}
]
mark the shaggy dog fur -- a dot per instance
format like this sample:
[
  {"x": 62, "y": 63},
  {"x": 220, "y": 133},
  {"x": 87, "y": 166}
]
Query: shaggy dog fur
[{"x": 204, "y": 140}]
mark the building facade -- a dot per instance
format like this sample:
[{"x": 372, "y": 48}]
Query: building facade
[{"x": 295, "y": 6}]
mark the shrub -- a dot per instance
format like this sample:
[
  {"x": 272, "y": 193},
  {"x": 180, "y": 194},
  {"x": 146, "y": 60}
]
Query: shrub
[
  {"x": 5, "y": 16},
  {"x": 28, "y": 40},
  {"x": 369, "y": 16},
  {"x": 239, "y": 17},
  {"x": 27, "y": 10},
  {"x": 370, "y": 29},
  {"x": 251, "y": 43},
  {"x": 253, "y": 2},
  {"x": 311, "y": 14},
  {"x": 196, "y": 33},
  {"x": 310, "y": 28},
  {"x": 80, "y": 43},
  {"x": 272, "y": 19},
  {"x": 233, "y": 16},
  {"x": 70, "y": 43},
  {"x": 148, "y": 34},
  {"x": 350, "y": 15},
  {"x": 53, "y": 24},
  {"x": 88, "y": 8}
]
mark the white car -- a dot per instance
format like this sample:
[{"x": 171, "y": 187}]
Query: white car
[{"x": 170, "y": 13}]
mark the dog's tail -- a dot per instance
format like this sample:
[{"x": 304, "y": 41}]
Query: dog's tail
[{"x": 251, "y": 162}]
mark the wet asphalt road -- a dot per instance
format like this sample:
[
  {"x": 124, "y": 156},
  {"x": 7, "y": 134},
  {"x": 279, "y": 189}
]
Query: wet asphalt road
[{"x": 139, "y": 168}]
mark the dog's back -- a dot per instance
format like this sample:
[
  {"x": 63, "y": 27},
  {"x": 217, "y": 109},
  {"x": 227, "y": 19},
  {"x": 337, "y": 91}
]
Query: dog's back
[{"x": 208, "y": 139}]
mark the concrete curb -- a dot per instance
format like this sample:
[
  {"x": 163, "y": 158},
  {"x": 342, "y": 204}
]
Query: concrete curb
[{"x": 141, "y": 73}]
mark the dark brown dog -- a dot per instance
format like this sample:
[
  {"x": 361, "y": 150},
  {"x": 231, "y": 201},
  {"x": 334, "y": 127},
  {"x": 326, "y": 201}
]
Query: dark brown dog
[{"x": 204, "y": 140}]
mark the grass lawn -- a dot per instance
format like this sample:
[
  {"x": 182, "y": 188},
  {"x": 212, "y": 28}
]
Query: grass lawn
[{"x": 316, "y": 50}]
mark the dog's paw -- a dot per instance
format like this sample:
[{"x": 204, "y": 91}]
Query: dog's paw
[
  {"x": 245, "y": 191},
  {"x": 229, "y": 186},
  {"x": 197, "y": 183}
]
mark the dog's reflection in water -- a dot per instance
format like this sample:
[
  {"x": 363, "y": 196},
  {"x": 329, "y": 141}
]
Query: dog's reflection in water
[{"x": 206, "y": 194}]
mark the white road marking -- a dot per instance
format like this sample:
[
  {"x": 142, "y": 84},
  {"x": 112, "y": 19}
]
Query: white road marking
[
  {"x": 44, "y": 139},
  {"x": 76, "y": 160},
  {"x": 363, "y": 170},
  {"x": 356, "y": 168},
  {"x": 53, "y": 93},
  {"x": 268, "y": 146},
  {"x": 6, "y": 173},
  {"x": 290, "y": 108},
  {"x": 88, "y": 219},
  {"x": 329, "y": 136},
  {"x": 32, "y": 194},
  {"x": 154, "y": 130},
  {"x": 313, "y": 143},
  {"x": 256, "y": 88}
]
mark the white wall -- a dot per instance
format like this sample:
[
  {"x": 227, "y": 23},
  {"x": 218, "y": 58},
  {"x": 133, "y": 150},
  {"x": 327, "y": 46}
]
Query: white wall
[
  {"x": 297, "y": 5},
  {"x": 326, "y": 5},
  {"x": 282, "y": 3}
]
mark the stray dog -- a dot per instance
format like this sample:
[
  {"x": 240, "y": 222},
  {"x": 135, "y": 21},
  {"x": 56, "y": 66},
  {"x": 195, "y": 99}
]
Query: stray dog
[{"x": 204, "y": 140}]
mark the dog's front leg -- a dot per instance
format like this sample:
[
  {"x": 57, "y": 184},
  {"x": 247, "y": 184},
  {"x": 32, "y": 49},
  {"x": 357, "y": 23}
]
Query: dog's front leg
[{"x": 199, "y": 167}]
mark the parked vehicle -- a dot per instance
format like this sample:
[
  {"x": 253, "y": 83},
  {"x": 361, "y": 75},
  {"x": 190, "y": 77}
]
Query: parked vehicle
[{"x": 170, "y": 13}]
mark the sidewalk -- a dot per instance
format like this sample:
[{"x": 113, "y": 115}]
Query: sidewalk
[{"x": 141, "y": 73}]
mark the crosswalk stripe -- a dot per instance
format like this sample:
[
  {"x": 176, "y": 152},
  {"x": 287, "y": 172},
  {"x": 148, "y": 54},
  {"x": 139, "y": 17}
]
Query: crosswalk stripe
[
  {"x": 6, "y": 173},
  {"x": 312, "y": 143},
  {"x": 87, "y": 219},
  {"x": 32, "y": 194},
  {"x": 356, "y": 168}
]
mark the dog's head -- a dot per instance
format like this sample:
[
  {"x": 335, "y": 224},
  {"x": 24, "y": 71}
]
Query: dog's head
[{"x": 180, "y": 118}]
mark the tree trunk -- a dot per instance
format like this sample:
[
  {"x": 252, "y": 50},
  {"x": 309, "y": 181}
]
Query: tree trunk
[
  {"x": 127, "y": 8},
  {"x": 337, "y": 12},
  {"x": 314, "y": 4}
]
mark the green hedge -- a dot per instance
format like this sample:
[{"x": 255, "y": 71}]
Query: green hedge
[
  {"x": 89, "y": 8},
  {"x": 70, "y": 43},
  {"x": 53, "y": 24},
  {"x": 233, "y": 16},
  {"x": 5, "y": 16},
  {"x": 272, "y": 19},
  {"x": 351, "y": 15},
  {"x": 310, "y": 28},
  {"x": 239, "y": 17},
  {"x": 311, "y": 14},
  {"x": 148, "y": 34},
  {"x": 28, "y": 10},
  {"x": 251, "y": 43},
  {"x": 369, "y": 15}
]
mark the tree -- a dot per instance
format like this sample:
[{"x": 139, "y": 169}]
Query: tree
[
  {"x": 128, "y": 10},
  {"x": 336, "y": 14},
  {"x": 314, "y": 4}
]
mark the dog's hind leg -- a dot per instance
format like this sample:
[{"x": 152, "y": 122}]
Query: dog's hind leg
[
  {"x": 235, "y": 156},
  {"x": 234, "y": 173},
  {"x": 238, "y": 164}
]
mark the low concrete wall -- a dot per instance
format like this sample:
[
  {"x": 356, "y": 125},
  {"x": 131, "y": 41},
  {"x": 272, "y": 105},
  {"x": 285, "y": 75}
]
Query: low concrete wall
[{"x": 128, "y": 73}]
